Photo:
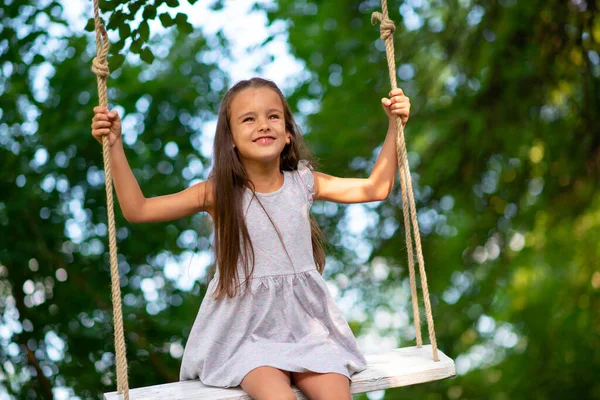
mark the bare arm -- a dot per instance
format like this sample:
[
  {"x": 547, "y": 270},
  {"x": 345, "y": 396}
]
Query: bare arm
[
  {"x": 136, "y": 207},
  {"x": 380, "y": 182},
  {"x": 360, "y": 190}
]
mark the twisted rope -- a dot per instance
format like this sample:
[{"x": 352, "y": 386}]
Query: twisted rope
[
  {"x": 387, "y": 29},
  {"x": 100, "y": 68}
]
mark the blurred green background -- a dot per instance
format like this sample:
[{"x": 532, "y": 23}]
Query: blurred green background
[{"x": 504, "y": 148}]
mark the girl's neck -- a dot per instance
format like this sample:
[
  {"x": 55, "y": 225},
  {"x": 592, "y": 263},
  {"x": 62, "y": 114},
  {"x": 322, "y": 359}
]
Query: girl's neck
[{"x": 266, "y": 179}]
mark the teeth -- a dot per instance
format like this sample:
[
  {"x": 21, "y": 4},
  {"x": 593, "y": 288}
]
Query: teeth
[{"x": 265, "y": 140}]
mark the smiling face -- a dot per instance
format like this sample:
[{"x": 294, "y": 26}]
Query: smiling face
[{"x": 257, "y": 121}]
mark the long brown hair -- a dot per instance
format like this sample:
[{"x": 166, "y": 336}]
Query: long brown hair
[{"x": 232, "y": 241}]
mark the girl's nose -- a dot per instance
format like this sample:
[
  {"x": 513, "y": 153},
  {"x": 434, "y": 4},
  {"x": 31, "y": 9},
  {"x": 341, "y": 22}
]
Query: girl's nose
[{"x": 263, "y": 125}]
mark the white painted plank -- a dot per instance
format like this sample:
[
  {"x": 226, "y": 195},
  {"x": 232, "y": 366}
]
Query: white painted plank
[
  {"x": 402, "y": 367},
  {"x": 394, "y": 368}
]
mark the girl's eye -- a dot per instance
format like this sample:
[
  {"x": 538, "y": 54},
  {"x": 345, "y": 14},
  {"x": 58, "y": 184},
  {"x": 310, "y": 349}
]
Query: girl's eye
[
  {"x": 248, "y": 119},
  {"x": 275, "y": 116}
]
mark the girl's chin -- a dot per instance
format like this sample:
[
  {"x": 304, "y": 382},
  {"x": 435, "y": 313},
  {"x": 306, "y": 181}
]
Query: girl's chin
[{"x": 265, "y": 157}]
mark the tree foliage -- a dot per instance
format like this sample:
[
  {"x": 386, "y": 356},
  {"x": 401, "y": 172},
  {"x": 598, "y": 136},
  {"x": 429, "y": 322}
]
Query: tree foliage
[{"x": 505, "y": 155}]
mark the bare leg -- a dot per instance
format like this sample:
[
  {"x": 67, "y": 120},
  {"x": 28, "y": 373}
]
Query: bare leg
[
  {"x": 268, "y": 383},
  {"x": 316, "y": 386}
]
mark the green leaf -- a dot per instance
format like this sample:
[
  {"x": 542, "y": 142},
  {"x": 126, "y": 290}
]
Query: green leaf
[
  {"x": 180, "y": 18},
  {"x": 135, "y": 6},
  {"x": 107, "y": 5},
  {"x": 183, "y": 24},
  {"x": 116, "y": 20},
  {"x": 146, "y": 55},
  {"x": 115, "y": 61},
  {"x": 144, "y": 30},
  {"x": 90, "y": 26},
  {"x": 149, "y": 12},
  {"x": 172, "y": 3},
  {"x": 118, "y": 45},
  {"x": 124, "y": 30},
  {"x": 37, "y": 59},
  {"x": 166, "y": 20},
  {"x": 136, "y": 45},
  {"x": 186, "y": 27}
]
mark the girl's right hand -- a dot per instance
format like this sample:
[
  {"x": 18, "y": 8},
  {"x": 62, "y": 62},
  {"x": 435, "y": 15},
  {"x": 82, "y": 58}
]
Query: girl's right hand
[{"x": 106, "y": 123}]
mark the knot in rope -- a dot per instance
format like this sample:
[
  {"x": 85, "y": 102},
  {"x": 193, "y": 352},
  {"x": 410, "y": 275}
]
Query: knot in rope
[
  {"x": 386, "y": 27},
  {"x": 99, "y": 63},
  {"x": 100, "y": 67}
]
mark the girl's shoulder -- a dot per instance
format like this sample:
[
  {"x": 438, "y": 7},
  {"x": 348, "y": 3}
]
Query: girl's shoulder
[
  {"x": 205, "y": 195},
  {"x": 305, "y": 178},
  {"x": 304, "y": 165}
]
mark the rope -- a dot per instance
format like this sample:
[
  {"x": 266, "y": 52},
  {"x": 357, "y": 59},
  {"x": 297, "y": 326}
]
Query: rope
[
  {"x": 387, "y": 28},
  {"x": 100, "y": 68}
]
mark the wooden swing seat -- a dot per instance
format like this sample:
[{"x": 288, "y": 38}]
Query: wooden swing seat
[{"x": 395, "y": 368}]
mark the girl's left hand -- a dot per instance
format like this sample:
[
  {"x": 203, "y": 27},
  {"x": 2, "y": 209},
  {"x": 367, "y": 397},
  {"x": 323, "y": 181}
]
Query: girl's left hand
[{"x": 397, "y": 104}]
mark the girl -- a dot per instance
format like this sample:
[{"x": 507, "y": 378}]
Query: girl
[{"x": 268, "y": 319}]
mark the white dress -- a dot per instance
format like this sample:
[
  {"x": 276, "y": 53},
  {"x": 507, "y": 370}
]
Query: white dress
[{"x": 288, "y": 320}]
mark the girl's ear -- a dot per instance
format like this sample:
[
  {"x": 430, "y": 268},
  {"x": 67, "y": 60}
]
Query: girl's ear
[{"x": 288, "y": 138}]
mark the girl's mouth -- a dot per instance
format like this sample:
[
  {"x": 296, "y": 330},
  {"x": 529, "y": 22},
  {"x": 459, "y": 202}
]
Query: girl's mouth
[{"x": 264, "y": 140}]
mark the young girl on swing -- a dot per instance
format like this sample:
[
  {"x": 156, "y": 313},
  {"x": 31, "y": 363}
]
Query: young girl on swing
[{"x": 268, "y": 319}]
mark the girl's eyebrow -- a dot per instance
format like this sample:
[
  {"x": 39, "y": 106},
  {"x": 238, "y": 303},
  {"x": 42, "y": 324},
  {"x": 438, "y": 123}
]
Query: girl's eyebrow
[
  {"x": 246, "y": 114},
  {"x": 270, "y": 110}
]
